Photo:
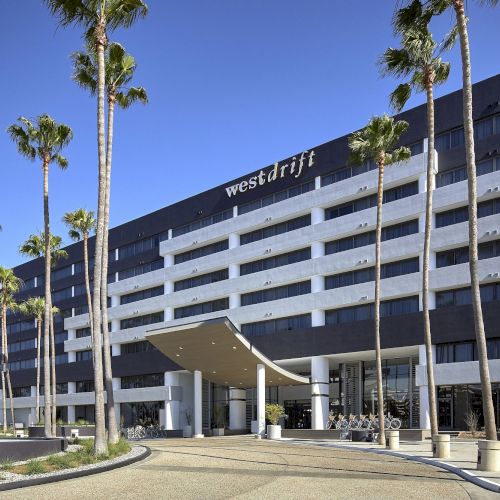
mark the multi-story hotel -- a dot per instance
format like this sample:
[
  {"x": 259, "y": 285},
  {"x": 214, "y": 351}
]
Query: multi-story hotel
[{"x": 287, "y": 254}]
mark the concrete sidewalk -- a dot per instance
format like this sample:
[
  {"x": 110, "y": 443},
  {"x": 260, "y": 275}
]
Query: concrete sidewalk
[{"x": 462, "y": 461}]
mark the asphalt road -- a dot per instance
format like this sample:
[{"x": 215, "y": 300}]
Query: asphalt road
[{"x": 243, "y": 468}]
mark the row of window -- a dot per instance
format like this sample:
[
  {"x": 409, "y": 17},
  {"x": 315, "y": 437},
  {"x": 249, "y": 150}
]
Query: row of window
[
  {"x": 135, "y": 347},
  {"x": 460, "y": 255},
  {"x": 460, "y": 173},
  {"x": 276, "y": 293},
  {"x": 462, "y": 296},
  {"x": 389, "y": 270},
  {"x": 368, "y": 238},
  {"x": 275, "y": 261},
  {"x": 196, "y": 253},
  {"x": 84, "y": 355},
  {"x": 146, "y": 319},
  {"x": 272, "y": 326},
  {"x": 392, "y": 307},
  {"x": 138, "y": 270},
  {"x": 137, "y": 247},
  {"x": 275, "y": 229},
  {"x": 393, "y": 194},
  {"x": 202, "y": 279},
  {"x": 140, "y": 381},
  {"x": 201, "y": 308},
  {"x": 143, "y": 294},
  {"x": 206, "y": 221},
  {"x": 461, "y": 214},
  {"x": 459, "y": 352}
]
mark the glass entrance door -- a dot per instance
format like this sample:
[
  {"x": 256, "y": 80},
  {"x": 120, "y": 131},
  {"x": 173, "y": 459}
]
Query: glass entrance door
[{"x": 445, "y": 407}]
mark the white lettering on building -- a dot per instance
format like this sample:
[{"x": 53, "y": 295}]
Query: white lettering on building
[{"x": 294, "y": 168}]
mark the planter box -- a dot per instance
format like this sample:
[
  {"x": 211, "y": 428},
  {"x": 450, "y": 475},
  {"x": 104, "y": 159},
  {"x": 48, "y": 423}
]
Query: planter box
[
  {"x": 38, "y": 431},
  {"x": 361, "y": 436},
  {"x": 23, "y": 449},
  {"x": 274, "y": 432}
]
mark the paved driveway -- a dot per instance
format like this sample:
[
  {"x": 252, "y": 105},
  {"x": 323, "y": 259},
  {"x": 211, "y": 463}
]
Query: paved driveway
[{"x": 243, "y": 467}]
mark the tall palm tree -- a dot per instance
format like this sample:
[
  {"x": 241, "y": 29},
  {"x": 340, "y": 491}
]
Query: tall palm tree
[
  {"x": 120, "y": 68},
  {"x": 43, "y": 139},
  {"x": 35, "y": 307},
  {"x": 378, "y": 141},
  {"x": 437, "y": 7},
  {"x": 35, "y": 247},
  {"x": 418, "y": 60},
  {"x": 81, "y": 223},
  {"x": 97, "y": 17},
  {"x": 9, "y": 286}
]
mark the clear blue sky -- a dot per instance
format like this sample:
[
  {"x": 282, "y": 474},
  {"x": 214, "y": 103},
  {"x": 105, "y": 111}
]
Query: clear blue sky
[{"x": 234, "y": 85}]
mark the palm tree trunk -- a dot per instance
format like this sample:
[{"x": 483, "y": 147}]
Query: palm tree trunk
[
  {"x": 48, "y": 302},
  {"x": 431, "y": 389},
  {"x": 53, "y": 373},
  {"x": 11, "y": 399},
  {"x": 100, "y": 443},
  {"x": 378, "y": 357},
  {"x": 39, "y": 339},
  {"x": 484, "y": 372},
  {"x": 4, "y": 365},
  {"x": 7, "y": 371},
  {"x": 87, "y": 283},
  {"x": 108, "y": 374}
]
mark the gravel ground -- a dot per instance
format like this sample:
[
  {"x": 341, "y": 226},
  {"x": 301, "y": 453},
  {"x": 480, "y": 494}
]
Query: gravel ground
[{"x": 9, "y": 477}]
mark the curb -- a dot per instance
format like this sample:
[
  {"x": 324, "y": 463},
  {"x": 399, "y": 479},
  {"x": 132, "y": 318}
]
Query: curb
[
  {"x": 76, "y": 474},
  {"x": 467, "y": 476}
]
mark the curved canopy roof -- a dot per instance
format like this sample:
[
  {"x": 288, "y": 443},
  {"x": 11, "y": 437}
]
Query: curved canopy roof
[{"x": 220, "y": 352}]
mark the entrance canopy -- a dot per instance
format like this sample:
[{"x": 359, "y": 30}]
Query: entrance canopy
[{"x": 216, "y": 348}]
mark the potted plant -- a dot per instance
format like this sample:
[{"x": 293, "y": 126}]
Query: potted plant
[
  {"x": 218, "y": 423},
  {"x": 187, "y": 431},
  {"x": 273, "y": 413}
]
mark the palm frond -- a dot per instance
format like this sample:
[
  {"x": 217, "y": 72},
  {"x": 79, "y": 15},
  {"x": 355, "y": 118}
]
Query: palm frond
[{"x": 399, "y": 97}]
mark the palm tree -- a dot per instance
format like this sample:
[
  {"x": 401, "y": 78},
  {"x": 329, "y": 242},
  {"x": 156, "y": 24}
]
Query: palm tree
[
  {"x": 9, "y": 286},
  {"x": 35, "y": 307},
  {"x": 120, "y": 68},
  {"x": 97, "y": 17},
  {"x": 418, "y": 60},
  {"x": 43, "y": 139},
  {"x": 35, "y": 246},
  {"x": 437, "y": 7},
  {"x": 55, "y": 310},
  {"x": 377, "y": 141},
  {"x": 81, "y": 222}
]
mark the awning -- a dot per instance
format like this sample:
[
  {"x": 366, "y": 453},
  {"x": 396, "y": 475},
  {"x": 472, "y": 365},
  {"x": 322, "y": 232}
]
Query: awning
[{"x": 220, "y": 352}]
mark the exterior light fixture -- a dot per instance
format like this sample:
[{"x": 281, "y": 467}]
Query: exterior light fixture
[
  {"x": 234, "y": 347},
  {"x": 178, "y": 355},
  {"x": 213, "y": 343}
]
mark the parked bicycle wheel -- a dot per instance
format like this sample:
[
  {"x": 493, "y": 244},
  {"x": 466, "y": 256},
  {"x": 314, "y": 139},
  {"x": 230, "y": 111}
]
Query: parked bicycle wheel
[
  {"x": 395, "y": 423},
  {"x": 140, "y": 432}
]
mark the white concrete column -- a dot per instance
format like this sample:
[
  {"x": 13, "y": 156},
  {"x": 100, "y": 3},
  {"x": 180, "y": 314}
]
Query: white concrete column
[
  {"x": 317, "y": 317},
  {"x": 234, "y": 300},
  {"x": 71, "y": 413},
  {"x": 71, "y": 356},
  {"x": 172, "y": 408},
  {"x": 317, "y": 215},
  {"x": 117, "y": 383},
  {"x": 317, "y": 249},
  {"x": 168, "y": 314},
  {"x": 234, "y": 271},
  {"x": 317, "y": 182},
  {"x": 168, "y": 287},
  {"x": 198, "y": 405},
  {"x": 261, "y": 400},
  {"x": 320, "y": 392},
  {"x": 115, "y": 325},
  {"x": 168, "y": 260},
  {"x": 71, "y": 387},
  {"x": 71, "y": 333},
  {"x": 234, "y": 240},
  {"x": 116, "y": 349},
  {"x": 237, "y": 408},
  {"x": 115, "y": 300},
  {"x": 317, "y": 283}
]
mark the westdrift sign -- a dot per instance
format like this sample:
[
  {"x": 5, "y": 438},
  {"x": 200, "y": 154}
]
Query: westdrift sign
[{"x": 294, "y": 168}]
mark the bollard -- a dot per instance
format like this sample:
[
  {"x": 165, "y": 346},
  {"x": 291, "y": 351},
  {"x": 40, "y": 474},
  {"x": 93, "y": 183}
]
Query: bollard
[
  {"x": 392, "y": 440},
  {"x": 488, "y": 455},
  {"x": 441, "y": 446}
]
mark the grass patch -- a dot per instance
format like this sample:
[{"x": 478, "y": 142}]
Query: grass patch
[
  {"x": 6, "y": 464},
  {"x": 83, "y": 456}
]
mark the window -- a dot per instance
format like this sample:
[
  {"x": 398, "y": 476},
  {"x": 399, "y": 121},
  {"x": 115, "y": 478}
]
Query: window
[
  {"x": 276, "y": 325},
  {"x": 461, "y": 214},
  {"x": 206, "y": 221},
  {"x": 203, "y": 308},
  {"x": 33, "y": 282},
  {"x": 459, "y": 352},
  {"x": 347, "y": 172},
  {"x": 140, "y": 381},
  {"x": 140, "y": 269},
  {"x": 359, "y": 204},
  {"x": 389, "y": 270},
  {"x": 202, "y": 279},
  {"x": 137, "y": 247},
  {"x": 462, "y": 296},
  {"x": 196, "y": 253},
  {"x": 460, "y": 173},
  {"x": 22, "y": 345},
  {"x": 84, "y": 355},
  {"x": 22, "y": 364},
  {"x": 279, "y": 292},
  {"x": 276, "y": 261},
  {"x": 21, "y": 392},
  {"x": 21, "y": 326},
  {"x": 134, "y": 347},
  {"x": 83, "y": 309},
  {"x": 80, "y": 266},
  {"x": 63, "y": 272},
  {"x": 59, "y": 338},
  {"x": 79, "y": 289},
  {"x": 65, "y": 293},
  {"x": 282, "y": 227},
  {"x": 83, "y": 332},
  {"x": 367, "y": 311},
  {"x": 147, "y": 319},
  {"x": 276, "y": 197},
  {"x": 85, "y": 386},
  {"x": 61, "y": 388},
  {"x": 460, "y": 255},
  {"x": 143, "y": 294}
]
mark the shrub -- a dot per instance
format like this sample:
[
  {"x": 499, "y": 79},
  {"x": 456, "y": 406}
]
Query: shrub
[
  {"x": 274, "y": 412},
  {"x": 35, "y": 467},
  {"x": 6, "y": 464},
  {"x": 65, "y": 461},
  {"x": 119, "y": 448}
]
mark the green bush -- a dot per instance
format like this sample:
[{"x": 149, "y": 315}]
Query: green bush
[
  {"x": 65, "y": 461},
  {"x": 274, "y": 412},
  {"x": 34, "y": 467}
]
